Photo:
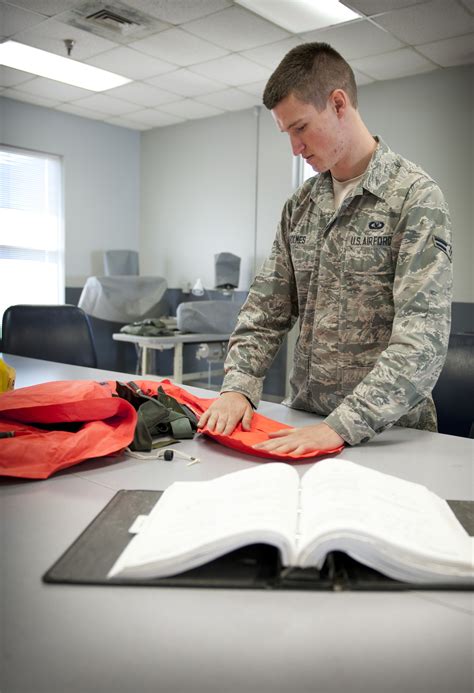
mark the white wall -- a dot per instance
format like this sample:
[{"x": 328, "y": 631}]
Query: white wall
[
  {"x": 101, "y": 179},
  {"x": 429, "y": 119},
  {"x": 198, "y": 196}
]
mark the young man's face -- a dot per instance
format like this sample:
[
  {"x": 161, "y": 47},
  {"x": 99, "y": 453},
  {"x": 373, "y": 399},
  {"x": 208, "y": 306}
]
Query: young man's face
[{"x": 317, "y": 136}]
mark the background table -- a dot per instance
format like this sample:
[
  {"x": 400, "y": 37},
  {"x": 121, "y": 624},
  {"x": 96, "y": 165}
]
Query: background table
[
  {"x": 78, "y": 639},
  {"x": 175, "y": 342}
]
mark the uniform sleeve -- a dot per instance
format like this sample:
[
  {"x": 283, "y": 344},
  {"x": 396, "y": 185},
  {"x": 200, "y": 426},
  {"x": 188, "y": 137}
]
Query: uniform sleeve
[
  {"x": 407, "y": 370},
  {"x": 267, "y": 315}
]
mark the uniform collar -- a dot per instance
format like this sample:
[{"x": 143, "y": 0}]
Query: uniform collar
[
  {"x": 379, "y": 170},
  {"x": 374, "y": 181}
]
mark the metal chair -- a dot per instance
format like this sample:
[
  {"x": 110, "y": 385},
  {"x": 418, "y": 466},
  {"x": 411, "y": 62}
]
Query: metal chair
[
  {"x": 453, "y": 394},
  {"x": 54, "y": 333}
]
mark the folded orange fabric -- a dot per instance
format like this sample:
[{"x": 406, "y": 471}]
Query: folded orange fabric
[
  {"x": 239, "y": 439},
  {"x": 48, "y": 427}
]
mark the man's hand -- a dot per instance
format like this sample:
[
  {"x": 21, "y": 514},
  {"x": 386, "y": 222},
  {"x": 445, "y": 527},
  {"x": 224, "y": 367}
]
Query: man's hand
[
  {"x": 226, "y": 412},
  {"x": 300, "y": 440}
]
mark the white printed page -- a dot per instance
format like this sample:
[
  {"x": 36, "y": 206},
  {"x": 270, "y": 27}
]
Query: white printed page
[
  {"x": 395, "y": 526},
  {"x": 195, "y": 522}
]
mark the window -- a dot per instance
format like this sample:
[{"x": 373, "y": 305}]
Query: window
[
  {"x": 301, "y": 171},
  {"x": 31, "y": 228}
]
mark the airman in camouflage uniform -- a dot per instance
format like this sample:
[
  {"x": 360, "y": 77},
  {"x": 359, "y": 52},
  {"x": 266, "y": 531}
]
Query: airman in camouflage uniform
[
  {"x": 370, "y": 281},
  {"x": 371, "y": 285}
]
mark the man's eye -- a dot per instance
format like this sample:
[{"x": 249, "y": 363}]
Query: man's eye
[{"x": 300, "y": 128}]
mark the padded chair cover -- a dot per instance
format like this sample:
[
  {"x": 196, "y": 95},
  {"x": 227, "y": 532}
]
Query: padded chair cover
[
  {"x": 124, "y": 299},
  {"x": 214, "y": 317},
  {"x": 453, "y": 394},
  {"x": 120, "y": 262},
  {"x": 227, "y": 268},
  {"x": 55, "y": 333}
]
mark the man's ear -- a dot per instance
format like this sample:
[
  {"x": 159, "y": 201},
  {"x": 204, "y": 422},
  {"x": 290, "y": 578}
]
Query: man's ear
[{"x": 339, "y": 102}]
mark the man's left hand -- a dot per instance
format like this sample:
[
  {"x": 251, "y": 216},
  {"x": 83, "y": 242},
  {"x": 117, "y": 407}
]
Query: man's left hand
[{"x": 301, "y": 440}]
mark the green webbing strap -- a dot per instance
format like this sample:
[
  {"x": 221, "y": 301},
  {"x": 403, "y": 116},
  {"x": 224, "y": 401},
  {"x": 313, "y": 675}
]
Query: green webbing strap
[{"x": 157, "y": 415}]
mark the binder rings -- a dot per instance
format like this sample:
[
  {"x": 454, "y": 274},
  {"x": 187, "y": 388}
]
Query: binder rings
[{"x": 88, "y": 560}]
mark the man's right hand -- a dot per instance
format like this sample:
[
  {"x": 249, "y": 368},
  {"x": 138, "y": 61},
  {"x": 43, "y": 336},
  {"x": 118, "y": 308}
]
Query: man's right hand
[{"x": 226, "y": 412}]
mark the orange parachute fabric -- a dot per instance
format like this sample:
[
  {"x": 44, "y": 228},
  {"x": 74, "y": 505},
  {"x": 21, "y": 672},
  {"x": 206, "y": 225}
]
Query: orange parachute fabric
[{"x": 51, "y": 426}]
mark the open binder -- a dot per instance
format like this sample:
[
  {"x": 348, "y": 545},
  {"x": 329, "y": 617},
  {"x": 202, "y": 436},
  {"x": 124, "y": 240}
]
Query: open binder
[{"x": 89, "y": 559}]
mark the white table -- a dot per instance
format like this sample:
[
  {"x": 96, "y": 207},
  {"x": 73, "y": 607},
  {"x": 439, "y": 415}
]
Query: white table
[
  {"x": 175, "y": 342},
  {"x": 86, "y": 639}
]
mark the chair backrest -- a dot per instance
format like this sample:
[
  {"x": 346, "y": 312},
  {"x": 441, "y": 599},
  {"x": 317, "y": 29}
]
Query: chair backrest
[
  {"x": 54, "y": 333},
  {"x": 227, "y": 268},
  {"x": 453, "y": 394},
  {"x": 120, "y": 262}
]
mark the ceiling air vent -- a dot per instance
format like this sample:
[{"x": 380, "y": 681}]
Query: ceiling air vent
[{"x": 113, "y": 21}]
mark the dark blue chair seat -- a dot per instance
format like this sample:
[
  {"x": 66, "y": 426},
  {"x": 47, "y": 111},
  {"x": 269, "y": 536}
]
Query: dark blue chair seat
[
  {"x": 54, "y": 333},
  {"x": 453, "y": 394}
]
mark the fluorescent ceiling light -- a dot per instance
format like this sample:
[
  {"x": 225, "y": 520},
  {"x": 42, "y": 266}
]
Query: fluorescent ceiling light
[
  {"x": 299, "y": 16},
  {"x": 45, "y": 64}
]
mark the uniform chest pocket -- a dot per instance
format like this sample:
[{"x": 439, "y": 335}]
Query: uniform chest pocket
[
  {"x": 303, "y": 256},
  {"x": 368, "y": 255}
]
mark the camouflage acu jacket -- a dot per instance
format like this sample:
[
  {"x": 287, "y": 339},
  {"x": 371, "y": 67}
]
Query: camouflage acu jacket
[{"x": 371, "y": 286}]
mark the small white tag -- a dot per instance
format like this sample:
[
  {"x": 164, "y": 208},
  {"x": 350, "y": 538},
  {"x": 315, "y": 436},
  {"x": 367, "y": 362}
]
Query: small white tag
[{"x": 138, "y": 524}]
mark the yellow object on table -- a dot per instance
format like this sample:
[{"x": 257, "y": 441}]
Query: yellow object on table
[{"x": 7, "y": 376}]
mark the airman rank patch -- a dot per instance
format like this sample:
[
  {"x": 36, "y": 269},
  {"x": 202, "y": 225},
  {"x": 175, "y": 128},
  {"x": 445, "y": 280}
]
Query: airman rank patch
[{"x": 444, "y": 246}]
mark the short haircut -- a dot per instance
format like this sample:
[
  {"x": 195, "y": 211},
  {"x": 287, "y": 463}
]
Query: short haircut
[{"x": 311, "y": 71}]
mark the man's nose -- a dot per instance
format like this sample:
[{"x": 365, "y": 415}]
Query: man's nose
[{"x": 297, "y": 146}]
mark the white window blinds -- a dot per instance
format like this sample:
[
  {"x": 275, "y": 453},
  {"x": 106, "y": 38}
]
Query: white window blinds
[{"x": 31, "y": 228}]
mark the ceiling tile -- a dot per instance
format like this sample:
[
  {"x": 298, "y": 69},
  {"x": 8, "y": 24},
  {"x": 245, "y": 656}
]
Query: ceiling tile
[
  {"x": 272, "y": 54},
  {"x": 187, "y": 108},
  {"x": 221, "y": 55},
  {"x": 156, "y": 118},
  {"x": 357, "y": 39},
  {"x": 142, "y": 94},
  {"x": 126, "y": 123},
  {"x": 361, "y": 79},
  {"x": 106, "y": 104},
  {"x": 182, "y": 11},
  {"x": 46, "y": 7},
  {"x": 51, "y": 89},
  {"x": 15, "y": 19},
  {"x": 428, "y": 22},
  {"x": 10, "y": 77},
  {"x": 232, "y": 70},
  {"x": 74, "y": 109},
  {"x": 449, "y": 52},
  {"x": 29, "y": 98},
  {"x": 130, "y": 63},
  {"x": 50, "y": 35},
  {"x": 373, "y": 7},
  {"x": 230, "y": 100},
  {"x": 255, "y": 88},
  {"x": 186, "y": 83},
  {"x": 392, "y": 65},
  {"x": 178, "y": 47},
  {"x": 236, "y": 29}
]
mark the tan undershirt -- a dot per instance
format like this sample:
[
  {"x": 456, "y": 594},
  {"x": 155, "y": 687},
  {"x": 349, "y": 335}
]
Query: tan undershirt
[{"x": 344, "y": 188}]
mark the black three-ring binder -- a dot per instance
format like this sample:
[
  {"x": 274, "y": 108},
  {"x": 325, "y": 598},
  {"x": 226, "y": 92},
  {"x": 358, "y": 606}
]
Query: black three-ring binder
[{"x": 88, "y": 560}]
